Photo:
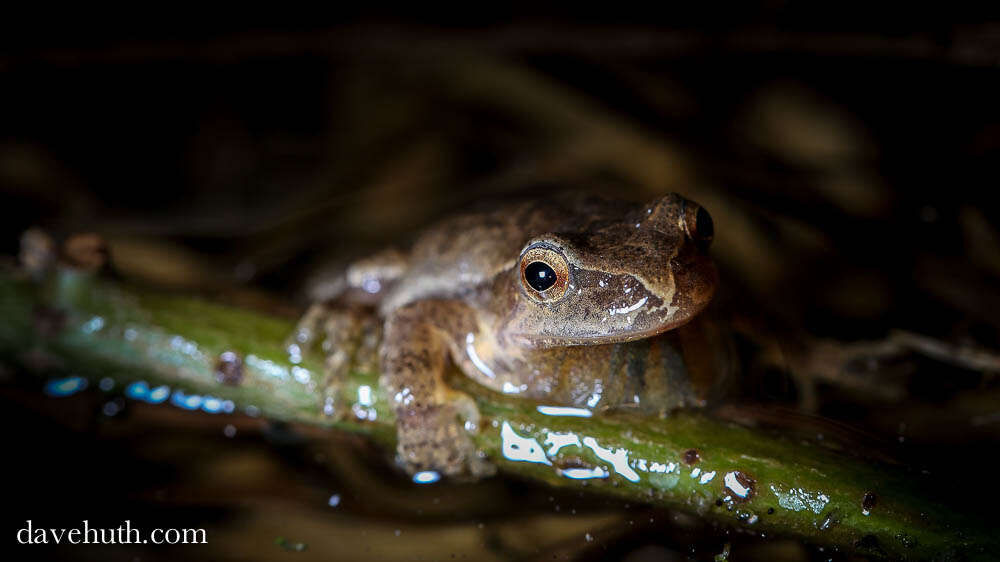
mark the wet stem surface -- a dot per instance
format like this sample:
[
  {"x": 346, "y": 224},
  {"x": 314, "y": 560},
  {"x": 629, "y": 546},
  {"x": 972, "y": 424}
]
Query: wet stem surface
[{"x": 748, "y": 478}]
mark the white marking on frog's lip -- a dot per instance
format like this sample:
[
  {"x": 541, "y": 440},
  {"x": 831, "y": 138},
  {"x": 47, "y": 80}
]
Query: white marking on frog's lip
[
  {"x": 625, "y": 310},
  {"x": 470, "y": 350}
]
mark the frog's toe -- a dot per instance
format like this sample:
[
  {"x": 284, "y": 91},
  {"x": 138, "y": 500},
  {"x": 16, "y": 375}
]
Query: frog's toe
[
  {"x": 433, "y": 439},
  {"x": 480, "y": 466}
]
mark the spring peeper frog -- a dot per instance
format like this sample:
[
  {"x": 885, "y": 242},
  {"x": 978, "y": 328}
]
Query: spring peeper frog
[{"x": 565, "y": 301}]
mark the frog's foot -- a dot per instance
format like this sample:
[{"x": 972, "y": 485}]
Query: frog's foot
[
  {"x": 308, "y": 329},
  {"x": 343, "y": 333},
  {"x": 436, "y": 439},
  {"x": 334, "y": 374},
  {"x": 433, "y": 421}
]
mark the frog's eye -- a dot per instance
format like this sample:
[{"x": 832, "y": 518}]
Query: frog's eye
[
  {"x": 544, "y": 273},
  {"x": 697, "y": 223},
  {"x": 539, "y": 275}
]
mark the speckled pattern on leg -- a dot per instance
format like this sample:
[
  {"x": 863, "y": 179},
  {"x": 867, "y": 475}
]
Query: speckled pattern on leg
[{"x": 431, "y": 436}]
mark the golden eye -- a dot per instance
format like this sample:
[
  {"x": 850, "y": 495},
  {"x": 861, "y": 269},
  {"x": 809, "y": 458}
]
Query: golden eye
[
  {"x": 544, "y": 273},
  {"x": 697, "y": 223}
]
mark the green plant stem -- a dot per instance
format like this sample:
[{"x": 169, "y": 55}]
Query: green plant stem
[{"x": 73, "y": 323}]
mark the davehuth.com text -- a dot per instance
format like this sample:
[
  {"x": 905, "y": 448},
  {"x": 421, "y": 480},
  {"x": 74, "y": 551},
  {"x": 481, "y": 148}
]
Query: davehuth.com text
[{"x": 123, "y": 534}]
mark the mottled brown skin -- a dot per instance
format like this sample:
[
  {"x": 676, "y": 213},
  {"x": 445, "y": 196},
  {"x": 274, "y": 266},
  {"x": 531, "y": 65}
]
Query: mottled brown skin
[{"x": 623, "y": 275}]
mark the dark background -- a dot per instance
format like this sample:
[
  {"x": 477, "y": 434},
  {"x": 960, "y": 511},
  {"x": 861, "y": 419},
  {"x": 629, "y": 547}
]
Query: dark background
[{"x": 848, "y": 155}]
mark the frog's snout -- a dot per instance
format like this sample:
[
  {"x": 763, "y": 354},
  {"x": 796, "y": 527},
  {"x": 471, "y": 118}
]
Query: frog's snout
[
  {"x": 694, "y": 285},
  {"x": 694, "y": 274}
]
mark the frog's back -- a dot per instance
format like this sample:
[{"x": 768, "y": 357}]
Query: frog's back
[{"x": 466, "y": 251}]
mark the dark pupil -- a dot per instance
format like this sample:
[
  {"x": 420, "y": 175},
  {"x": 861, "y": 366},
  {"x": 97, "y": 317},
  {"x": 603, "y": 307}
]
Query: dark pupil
[{"x": 539, "y": 275}]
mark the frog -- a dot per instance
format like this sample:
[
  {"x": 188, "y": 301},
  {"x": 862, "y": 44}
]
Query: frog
[{"x": 576, "y": 301}]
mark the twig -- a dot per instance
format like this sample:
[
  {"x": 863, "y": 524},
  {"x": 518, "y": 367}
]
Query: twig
[{"x": 80, "y": 324}]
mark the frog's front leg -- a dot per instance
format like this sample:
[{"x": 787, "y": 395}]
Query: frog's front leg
[
  {"x": 432, "y": 420},
  {"x": 342, "y": 331}
]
